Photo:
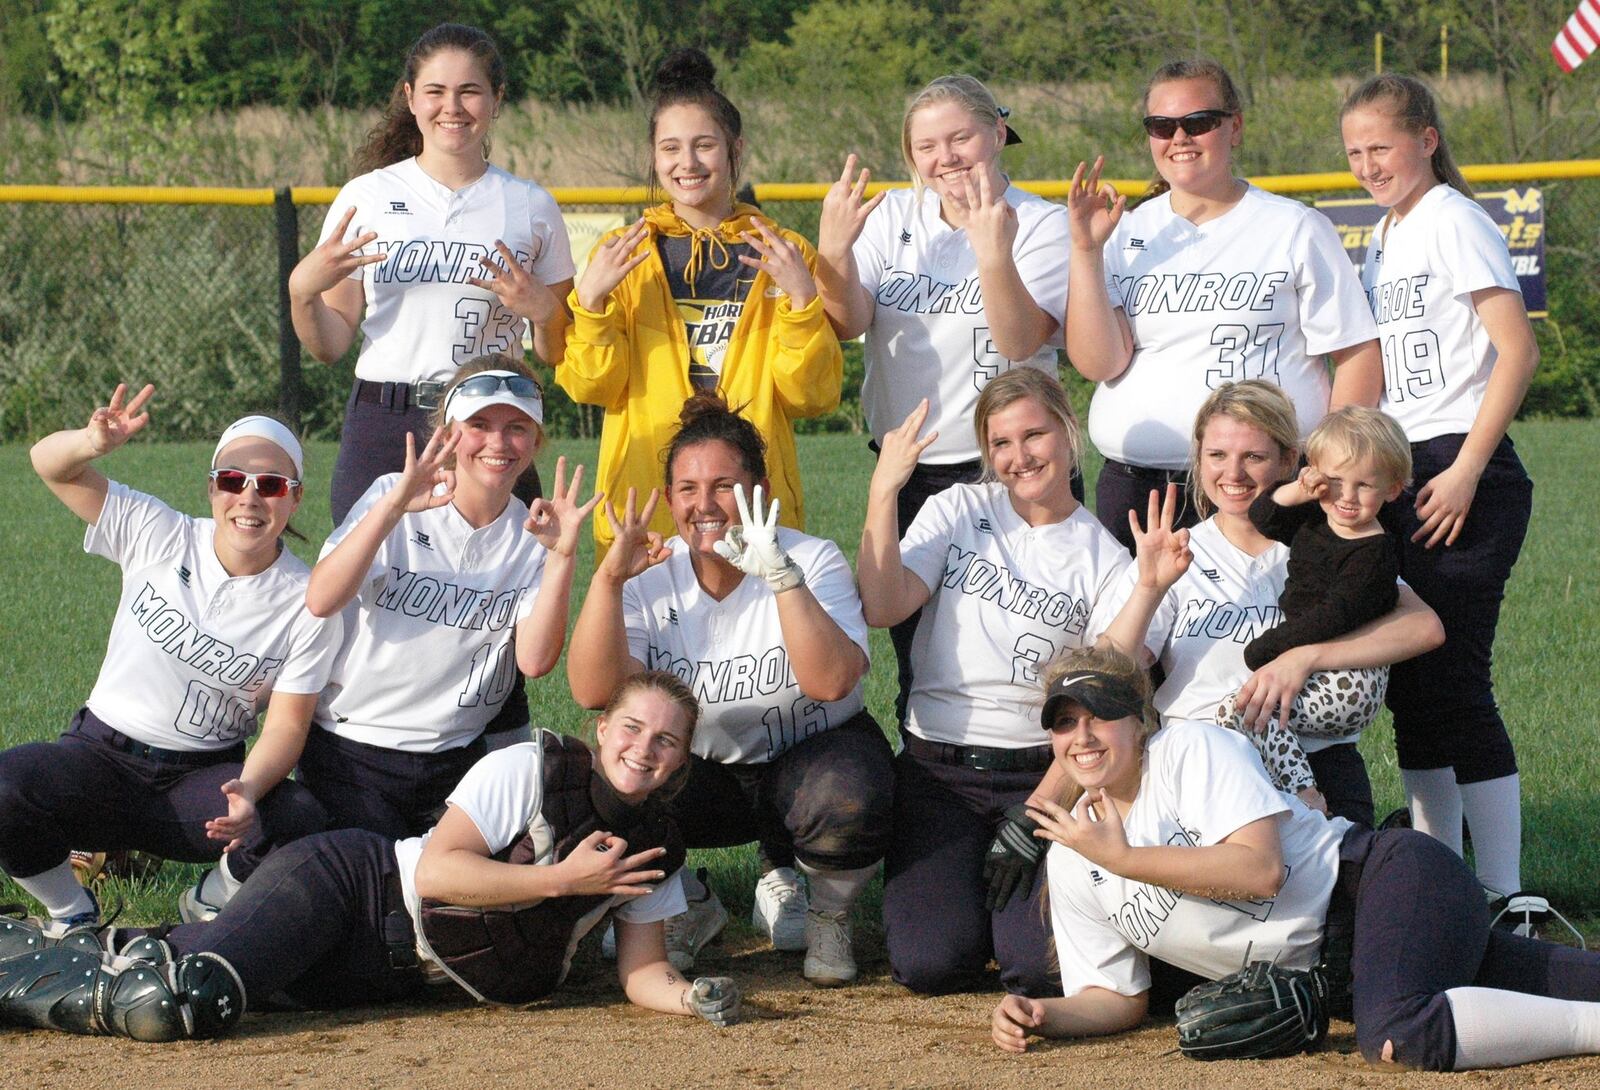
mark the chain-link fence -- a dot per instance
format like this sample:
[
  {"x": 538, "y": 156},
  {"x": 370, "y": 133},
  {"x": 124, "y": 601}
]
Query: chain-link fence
[{"x": 190, "y": 296}]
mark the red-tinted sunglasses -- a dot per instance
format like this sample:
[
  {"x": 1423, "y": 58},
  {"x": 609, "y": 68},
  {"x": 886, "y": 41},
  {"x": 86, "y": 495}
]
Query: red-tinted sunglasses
[
  {"x": 1196, "y": 124},
  {"x": 269, "y": 486}
]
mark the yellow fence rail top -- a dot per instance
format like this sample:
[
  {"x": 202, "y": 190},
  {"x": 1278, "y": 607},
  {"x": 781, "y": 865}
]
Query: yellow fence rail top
[{"x": 1487, "y": 173}]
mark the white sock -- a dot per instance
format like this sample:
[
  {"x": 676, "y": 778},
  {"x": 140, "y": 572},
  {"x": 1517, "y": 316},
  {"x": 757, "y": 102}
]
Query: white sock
[
  {"x": 59, "y": 890},
  {"x": 1435, "y": 803},
  {"x": 1494, "y": 814},
  {"x": 835, "y": 890},
  {"x": 1501, "y": 1029},
  {"x": 219, "y": 884}
]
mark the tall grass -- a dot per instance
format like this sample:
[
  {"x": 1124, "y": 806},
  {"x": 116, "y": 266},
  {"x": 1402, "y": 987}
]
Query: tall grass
[{"x": 56, "y": 605}]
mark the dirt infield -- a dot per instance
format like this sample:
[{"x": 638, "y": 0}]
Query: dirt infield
[{"x": 873, "y": 1035}]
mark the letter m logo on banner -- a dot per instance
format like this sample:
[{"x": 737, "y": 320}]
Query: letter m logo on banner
[{"x": 1579, "y": 37}]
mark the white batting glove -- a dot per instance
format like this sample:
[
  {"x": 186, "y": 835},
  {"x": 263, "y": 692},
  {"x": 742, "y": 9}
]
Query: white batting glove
[
  {"x": 714, "y": 998},
  {"x": 753, "y": 547}
]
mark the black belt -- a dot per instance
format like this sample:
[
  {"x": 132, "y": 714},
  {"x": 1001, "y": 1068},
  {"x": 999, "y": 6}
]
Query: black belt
[
  {"x": 1339, "y": 928},
  {"x": 400, "y": 396},
  {"x": 93, "y": 727},
  {"x": 399, "y": 933},
  {"x": 1147, "y": 473},
  {"x": 981, "y": 758}
]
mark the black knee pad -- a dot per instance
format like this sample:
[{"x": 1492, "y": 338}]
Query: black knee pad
[{"x": 198, "y": 996}]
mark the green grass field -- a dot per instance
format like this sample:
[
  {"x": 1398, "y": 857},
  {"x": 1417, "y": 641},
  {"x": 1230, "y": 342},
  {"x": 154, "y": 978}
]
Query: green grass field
[{"x": 56, "y": 603}]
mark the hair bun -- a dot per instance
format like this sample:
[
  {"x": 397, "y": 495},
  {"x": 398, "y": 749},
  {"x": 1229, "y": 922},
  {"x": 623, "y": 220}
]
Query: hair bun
[{"x": 685, "y": 70}]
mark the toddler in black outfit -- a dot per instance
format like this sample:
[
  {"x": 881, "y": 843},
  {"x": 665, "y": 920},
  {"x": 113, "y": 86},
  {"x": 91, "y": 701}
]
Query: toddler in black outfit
[{"x": 1342, "y": 574}]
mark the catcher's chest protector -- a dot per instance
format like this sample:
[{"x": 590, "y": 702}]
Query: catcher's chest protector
[{"x": 517, "y": 955}]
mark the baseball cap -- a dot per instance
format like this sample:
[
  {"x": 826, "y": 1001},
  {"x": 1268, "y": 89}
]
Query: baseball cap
[
  {"x": 477, "y": 392},
  {"x": 1105, "y": 696}
]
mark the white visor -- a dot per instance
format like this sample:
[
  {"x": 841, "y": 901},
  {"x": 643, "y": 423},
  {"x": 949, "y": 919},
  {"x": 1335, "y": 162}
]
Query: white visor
[
  {"x": 263, "y": 427},
  {"x": 460, "y": 405}
]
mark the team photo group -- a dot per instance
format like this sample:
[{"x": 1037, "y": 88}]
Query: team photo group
[{"x": 1127, "y": 771}]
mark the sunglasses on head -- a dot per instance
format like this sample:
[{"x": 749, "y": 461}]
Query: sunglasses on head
[
  {"x": 269, "y": 486},
  {"x": 1196, "y": 124},
  {"x": 484, "y": 385}
]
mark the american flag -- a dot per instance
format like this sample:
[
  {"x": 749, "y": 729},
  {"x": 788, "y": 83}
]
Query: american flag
[{"x": 1579, "y": 37}]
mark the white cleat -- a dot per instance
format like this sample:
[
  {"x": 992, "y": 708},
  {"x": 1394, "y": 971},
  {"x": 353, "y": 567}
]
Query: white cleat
[{"x": 780, "y": 907}]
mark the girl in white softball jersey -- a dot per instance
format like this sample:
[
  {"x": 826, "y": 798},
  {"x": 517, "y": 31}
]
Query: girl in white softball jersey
[
  {"x": 1210, "y": 280},
  {"x": 1008, "y": 574},
  {"x": 433, "y": 255},
  {"x": 1195, "y": 598},
  {"x": 1171, "y": 845},
  {"x": 540, "y": 841},
  {"x": 210, "y": 632},
  {"x": 954, "y": 281},
  {"x": 1458, "y": 356},
  {"x": 453, "y": 586},
  {"x": 765, "y": 625}
]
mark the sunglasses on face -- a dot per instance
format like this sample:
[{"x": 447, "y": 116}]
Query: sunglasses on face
[
  {"x": 1196, "y": 124},
  {"x": 269, "y": 486}
]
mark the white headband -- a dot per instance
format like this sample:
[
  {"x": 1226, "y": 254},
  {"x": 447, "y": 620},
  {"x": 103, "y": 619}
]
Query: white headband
[{"x": 263, "y": 427}]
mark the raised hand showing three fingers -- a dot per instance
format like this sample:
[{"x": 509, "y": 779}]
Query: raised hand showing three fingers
[
  {"x": 1093, "y": 208},
  {"x": 518, "y": 290},
  {"x": 556, "y": 519},
  {"x": 844, "y": 211},
  {"x": 1162, "y": 553},
  {"x": 333, "y": 260}
]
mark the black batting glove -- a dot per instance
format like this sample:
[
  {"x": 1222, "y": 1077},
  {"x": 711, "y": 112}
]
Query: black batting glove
[{"x": 1013, "y": 858}]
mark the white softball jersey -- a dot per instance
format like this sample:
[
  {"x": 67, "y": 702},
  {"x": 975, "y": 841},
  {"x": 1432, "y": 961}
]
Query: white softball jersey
[
  {"x": 1006, "y": 599},
  {"x": 1226, "y": 599},
  {"x": 423, "y": 320},
  {"x": 732, "y": 653},
  {"x": 1200, "y": 785},
  {"x": 929, "y": 335},
  {"x": 194, "y": 652},
  {"x": 502, "y": 794},
  {"x": 1263, "y": 291},
  {"x": 429, "y": 652},
  {"x": 1419, "y": 276}
]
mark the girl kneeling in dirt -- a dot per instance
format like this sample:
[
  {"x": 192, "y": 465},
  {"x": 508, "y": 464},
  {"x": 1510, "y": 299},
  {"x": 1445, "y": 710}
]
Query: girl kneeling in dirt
[
  {"x": 1171, "y": 844},
  {"x": 540, "y": 841}
]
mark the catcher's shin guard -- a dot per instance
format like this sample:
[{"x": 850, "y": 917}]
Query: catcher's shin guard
[
  {"x": 20, "y": 935},
  {"x": 69, "y": 989}
]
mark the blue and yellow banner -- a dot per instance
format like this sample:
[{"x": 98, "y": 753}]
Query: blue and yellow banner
[{"x": 1519, "y": 213}]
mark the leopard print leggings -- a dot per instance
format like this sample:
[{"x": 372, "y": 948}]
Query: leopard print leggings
[{"x": 1333, "y": 704}]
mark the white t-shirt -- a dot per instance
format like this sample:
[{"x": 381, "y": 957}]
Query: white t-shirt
[
  {"x": 732, "y": 654},
  {"x": 1263, "y": 291},
  {"x": 423, "y": 320},
  {"x": 1200, "y": 785},
  {"x": 1007, "y": 598},
  {"x": 1420, "y": 277},
  {"x": 502, "y": 795},
  {"x": 429, "y": 652},
  {"x": 929, "y": 335},
  {"x": 194, "y": 652}
]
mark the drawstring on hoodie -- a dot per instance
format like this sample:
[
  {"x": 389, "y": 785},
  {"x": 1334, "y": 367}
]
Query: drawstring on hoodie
[{"x": 714, "y": 254}]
